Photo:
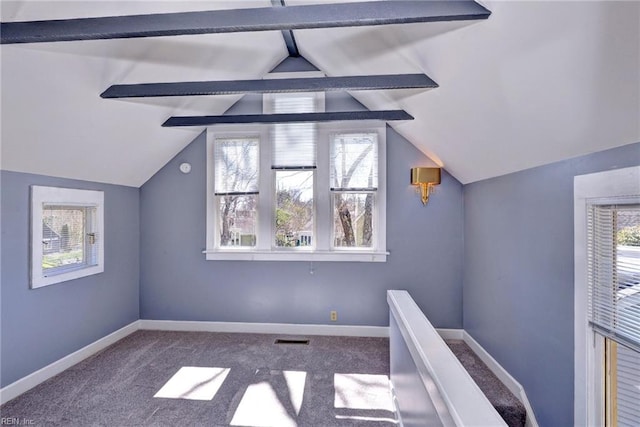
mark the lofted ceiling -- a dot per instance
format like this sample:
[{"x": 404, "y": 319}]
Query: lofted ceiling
[{"x": 536, "y": 83}]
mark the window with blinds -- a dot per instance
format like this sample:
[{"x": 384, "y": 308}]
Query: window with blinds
[
  {"x": 293, "y": 164},
  {"x": 353, "y": 183},
  {"x": 236, "y": 190},
  {"x": 296, "y": 191},
  {"x": 614, "y": 272},
  {"x": 614, "y": 304}
]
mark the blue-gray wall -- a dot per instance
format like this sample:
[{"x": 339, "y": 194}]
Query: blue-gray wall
[
  {"x": 518, "y": 274},
  {"x": 177, "y": 283},
  {"x": 40, "y": 326}
]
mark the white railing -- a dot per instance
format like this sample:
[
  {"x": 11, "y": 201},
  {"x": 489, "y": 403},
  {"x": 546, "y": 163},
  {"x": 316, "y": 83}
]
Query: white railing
[{"x": 430, "y": 385}]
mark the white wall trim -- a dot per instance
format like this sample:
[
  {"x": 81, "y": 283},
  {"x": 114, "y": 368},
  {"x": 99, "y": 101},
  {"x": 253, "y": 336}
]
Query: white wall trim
[
  {"x": 24, "y": 384},
  {"x": 265, "y": 328},
  {"x": 451, "y": 334},
  {"x": 505, "y": 378}
]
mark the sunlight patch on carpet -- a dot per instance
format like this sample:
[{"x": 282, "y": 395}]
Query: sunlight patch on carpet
[
  {"x": 194, "y": 383},
  {"x": 362, "y": 391},
  {"x": 274, "y": 401}
]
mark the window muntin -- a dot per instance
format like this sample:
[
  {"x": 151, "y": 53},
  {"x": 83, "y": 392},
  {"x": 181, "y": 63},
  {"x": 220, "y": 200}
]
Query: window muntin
[{"x": 66, "y": 234}]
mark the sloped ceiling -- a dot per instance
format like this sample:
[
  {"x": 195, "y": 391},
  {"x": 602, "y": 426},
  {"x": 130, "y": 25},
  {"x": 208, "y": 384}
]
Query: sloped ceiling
[{"x": 535, "y": 83}]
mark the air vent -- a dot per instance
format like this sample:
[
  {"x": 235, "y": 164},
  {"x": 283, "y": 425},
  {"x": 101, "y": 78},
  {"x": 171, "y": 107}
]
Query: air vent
[{"x": 296, "y": 342}]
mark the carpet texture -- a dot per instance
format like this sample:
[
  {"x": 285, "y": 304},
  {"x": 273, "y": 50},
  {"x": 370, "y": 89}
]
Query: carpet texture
[
  {"x": 155, "y": 378},
  {"x": 507, "y": 405}
]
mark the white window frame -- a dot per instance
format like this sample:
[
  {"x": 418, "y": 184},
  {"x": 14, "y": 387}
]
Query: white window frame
[
  {"x": 321, "y": 250},
  {"x": 72, "y": 198},
  {"x": 616, "y": 186}
]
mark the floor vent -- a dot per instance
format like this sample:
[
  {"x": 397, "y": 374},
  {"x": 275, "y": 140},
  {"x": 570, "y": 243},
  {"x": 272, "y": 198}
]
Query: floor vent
[{"x": 299, "y": 342}]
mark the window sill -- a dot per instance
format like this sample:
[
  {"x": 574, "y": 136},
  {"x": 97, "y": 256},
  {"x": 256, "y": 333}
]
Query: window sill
[
  {"x": 52, "y": 278},
  {"x": 342, "y": 256}
]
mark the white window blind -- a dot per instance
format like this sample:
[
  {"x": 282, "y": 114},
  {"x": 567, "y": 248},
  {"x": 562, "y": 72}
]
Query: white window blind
[
  {"x": 236, "y": 166},
  {"x": 294, "y": 144},
  {"x": 354, "y": 162},
  {"x": 614, "y": 272}
]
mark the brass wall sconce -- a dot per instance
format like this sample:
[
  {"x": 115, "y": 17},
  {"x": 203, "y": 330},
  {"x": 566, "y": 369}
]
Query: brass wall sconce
[{"x": 425, "y": 178}]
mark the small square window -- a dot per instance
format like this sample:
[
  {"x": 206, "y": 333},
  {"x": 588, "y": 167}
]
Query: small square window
[{"x": 66, "y": 234}]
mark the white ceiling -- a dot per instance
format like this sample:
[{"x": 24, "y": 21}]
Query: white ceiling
[{"x": 535, "y": 83}]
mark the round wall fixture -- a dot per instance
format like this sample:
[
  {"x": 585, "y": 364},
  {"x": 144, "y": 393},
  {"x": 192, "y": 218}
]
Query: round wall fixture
[{"x": 185, "y": 167}]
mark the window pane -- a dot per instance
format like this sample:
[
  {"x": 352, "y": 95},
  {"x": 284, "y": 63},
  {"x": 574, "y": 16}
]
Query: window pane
[
  {"x": 353, "y": 219},
  {"x": 237, "y": 220},
  {"x": 354, "y": 161},
  {"x": 63, "y": 231},
  {"x": 236, "y": 165},
  {"x": 294, "y": 208}
]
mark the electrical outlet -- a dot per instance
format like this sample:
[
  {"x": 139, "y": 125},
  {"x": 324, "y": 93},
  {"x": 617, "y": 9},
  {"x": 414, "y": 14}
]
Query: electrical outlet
[{"x": 334, "y": 316}]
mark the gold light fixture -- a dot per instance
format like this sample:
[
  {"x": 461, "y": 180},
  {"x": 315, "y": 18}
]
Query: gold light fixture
[{"x": 425, "y": 178}]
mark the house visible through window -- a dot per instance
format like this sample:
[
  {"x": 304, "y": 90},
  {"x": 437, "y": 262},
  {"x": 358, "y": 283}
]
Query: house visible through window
[
  {"x": 67, "y": 231},
  {"x": 296, "y": 191},
  {"x": 67, "y": 238}
]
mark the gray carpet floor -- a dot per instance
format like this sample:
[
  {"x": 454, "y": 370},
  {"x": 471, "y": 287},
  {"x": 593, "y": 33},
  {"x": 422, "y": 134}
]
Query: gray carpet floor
[
  {"x": 507, "y": 405},
  {"x": 153, "y": 378}
]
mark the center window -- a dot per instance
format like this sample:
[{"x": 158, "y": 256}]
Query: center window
[{"x": 296, "y": 190}]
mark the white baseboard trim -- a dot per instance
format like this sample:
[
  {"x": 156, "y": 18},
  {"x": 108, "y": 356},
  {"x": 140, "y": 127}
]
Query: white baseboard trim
[
  {"x": 451, "y": 334},
  {"x": 24, "y": 384},
  {"x": 265, "y": 328},
  {"x": 514, "y": 386}
]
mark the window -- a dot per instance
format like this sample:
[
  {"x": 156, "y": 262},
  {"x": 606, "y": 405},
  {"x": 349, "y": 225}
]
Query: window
[
  {"x": 296, "y": 191},
  {"x": 614, "y": 305},
  {"x": 66, "y": 234},
  {"x": 607, "y": 308},
  {"x": 236, "y": 190},
  {"x": 354, "y": 184}
]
